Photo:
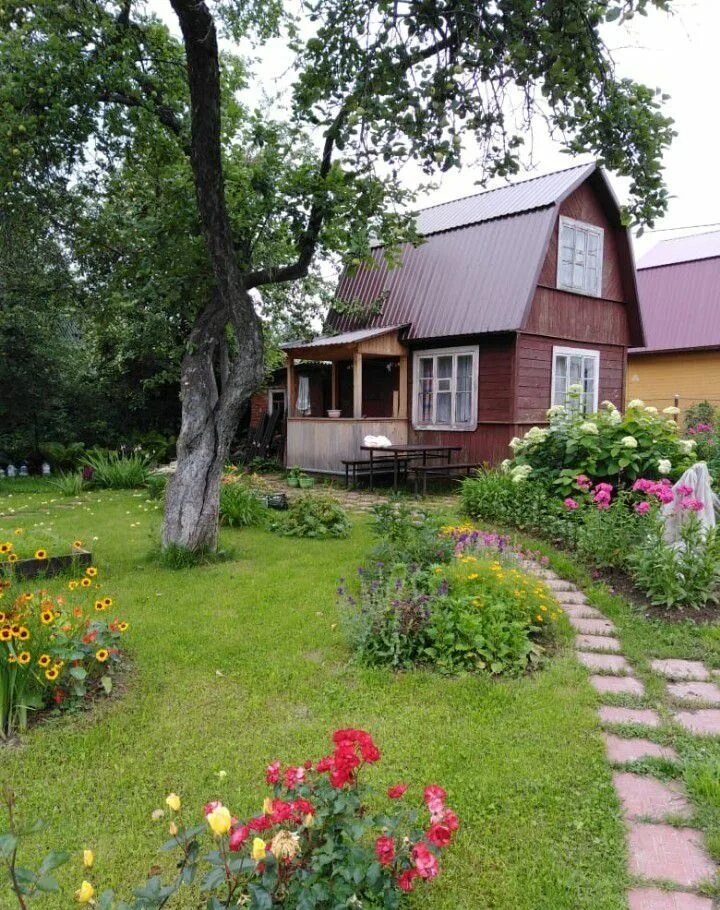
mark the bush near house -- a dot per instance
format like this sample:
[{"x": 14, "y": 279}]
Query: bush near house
[
  {"x": 313, "y": 515},
  {"x": 606, "y": 446}
]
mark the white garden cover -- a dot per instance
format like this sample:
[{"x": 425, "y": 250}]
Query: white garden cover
[
  {"x": 376, "y": 442},
  {"x": 698, "y": 479}
]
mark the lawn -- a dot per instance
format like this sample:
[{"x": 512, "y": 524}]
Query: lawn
[{"x": 236, "y": 663}]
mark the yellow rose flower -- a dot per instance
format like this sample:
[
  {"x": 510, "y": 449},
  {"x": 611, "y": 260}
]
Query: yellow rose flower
[
  {"x": 173, "y": 801},
  {"x": 173, "y": 829},
  {"x": 267, "y": 805},
  {"x": 88, "y": 859},
  {"x": 258, "y": 849},
  {"x": 85, "y": 893},
  {"x": 220, "y": 821}
]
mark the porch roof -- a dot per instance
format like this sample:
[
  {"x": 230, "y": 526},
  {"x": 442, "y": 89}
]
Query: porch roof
[{"x": 334, "y": 347}]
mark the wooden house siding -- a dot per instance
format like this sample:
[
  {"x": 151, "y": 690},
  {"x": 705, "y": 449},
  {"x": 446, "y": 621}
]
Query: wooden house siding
[
  {"x": 658, "y": 379},
  {"x": 534, "y": 373}
]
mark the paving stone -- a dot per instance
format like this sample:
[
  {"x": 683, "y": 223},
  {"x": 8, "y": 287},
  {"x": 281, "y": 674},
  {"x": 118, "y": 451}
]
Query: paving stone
[
  {"x": 559, "y": 584},
  {"x": 673, "y": 668},
  {"x": 614, "y": 664},
  {"x": 705, "y": 722},
  {"x": 617, "y": 685},
  {"x": 570, "y": 597},
  {"x": 582, "y": 611},
  {"x": 695, "y": 692},
  {"x": 655, "y": 899},
  {"x": 647, "y": 797},
  {"x": 663, "y": 853},
  {"x": 596, "y": 643},
  {"x": 620, "y": 750},
  {"x": 644, "y": 717},
  {"x": 592, "y": 626}
]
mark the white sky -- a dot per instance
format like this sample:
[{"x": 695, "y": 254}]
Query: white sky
[{"x": 677, "y": 52}]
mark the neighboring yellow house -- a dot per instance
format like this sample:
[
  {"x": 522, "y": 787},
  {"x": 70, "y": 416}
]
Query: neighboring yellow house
[{"x": 679, "y": 288}]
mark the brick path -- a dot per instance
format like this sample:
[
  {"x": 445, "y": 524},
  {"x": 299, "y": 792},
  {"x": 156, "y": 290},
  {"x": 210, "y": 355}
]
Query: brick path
[{"x": 667, "y": 858}]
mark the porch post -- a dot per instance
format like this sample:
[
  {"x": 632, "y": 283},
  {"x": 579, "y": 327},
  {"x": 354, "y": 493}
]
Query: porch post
[
  {"x": 357, "y": 385},
  {"x": 403, "y": 388},
  {"x": 291, "y": 387},
  {"x": 333, "y": 385}
]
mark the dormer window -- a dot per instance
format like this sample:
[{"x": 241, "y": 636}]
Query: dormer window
[{"x": 580, "y": 256}]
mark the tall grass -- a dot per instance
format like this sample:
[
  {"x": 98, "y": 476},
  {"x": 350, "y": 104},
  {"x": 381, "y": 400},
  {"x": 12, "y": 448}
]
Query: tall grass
[
  {"x": 69, "y": 483},
  {"x": 114, "y": 471}
]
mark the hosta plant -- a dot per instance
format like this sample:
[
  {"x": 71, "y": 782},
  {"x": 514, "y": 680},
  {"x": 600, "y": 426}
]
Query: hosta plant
[{"x": 319, "y": 843}]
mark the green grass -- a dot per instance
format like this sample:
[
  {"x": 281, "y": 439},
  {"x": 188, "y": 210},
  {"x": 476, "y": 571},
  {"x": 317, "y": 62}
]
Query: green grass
[{"x": 238, "y": 662}]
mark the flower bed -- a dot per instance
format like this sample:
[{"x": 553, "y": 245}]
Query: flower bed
[
  {"x": 316, "y": 845},
  {"x": 450, "y": 598},
  {"x": 28, "y": 553},
  {"x": 56, "y": 650}
]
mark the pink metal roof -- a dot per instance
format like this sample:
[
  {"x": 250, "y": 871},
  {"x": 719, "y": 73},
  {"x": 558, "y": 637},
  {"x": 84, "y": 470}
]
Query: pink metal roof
[
  {"x": 680, "y": 303},
  {"x": 682, "y": 249},
  {"x": 325, "y": 341},
  {"x": 478, "y": 268}
]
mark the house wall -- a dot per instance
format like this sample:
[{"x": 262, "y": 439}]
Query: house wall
[
  {"x": 496, "y": 426},
  {"x": 658, "y": 379},
  {"x": 258, "y": 407}
]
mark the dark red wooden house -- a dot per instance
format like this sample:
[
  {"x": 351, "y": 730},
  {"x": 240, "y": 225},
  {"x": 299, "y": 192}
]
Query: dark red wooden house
[{"x": 515, "y": 294}]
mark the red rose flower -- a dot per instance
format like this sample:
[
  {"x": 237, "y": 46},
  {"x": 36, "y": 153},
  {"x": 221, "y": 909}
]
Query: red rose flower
[
  {"x": 210, "y": 807},
  {"x": 406, "y": 879},
  {"x": 272, "y": 772},
  {"x": 238, "y": 836},
  {"x": 281, "y": 812},
  {"x": 385, "y": 850},
  {"x": 450, "y": 819},
  {"x": 425, "y": 861},
  {"x": 397, "y": 791},
  {"x": 293, "y": 777},
  {"x": 439, "y": 834},
  {"x": 434, "y": 792}
]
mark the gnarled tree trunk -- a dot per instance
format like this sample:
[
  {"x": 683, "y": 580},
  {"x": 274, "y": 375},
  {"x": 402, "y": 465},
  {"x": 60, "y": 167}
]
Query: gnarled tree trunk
[{"x": 214, "y": 388}]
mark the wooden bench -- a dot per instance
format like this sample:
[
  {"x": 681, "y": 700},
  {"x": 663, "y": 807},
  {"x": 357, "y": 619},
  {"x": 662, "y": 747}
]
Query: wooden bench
[
  {"x": 383, "y": 465},
  {"x": 444, "y": 470}
]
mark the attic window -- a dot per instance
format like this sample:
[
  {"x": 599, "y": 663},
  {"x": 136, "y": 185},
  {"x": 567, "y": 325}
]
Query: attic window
[
  {"x": 445, "y": 389},
  {"x": 580, "y": 257}
]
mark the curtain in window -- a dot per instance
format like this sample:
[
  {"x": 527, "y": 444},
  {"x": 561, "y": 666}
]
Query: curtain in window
[
  {"x": 425, "y": 392},
  {"x": 443, "y": 395},
  {"x": 463, "y": 389}
]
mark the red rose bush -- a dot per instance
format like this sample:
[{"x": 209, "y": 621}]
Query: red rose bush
[{"x": 315, "y": 845}]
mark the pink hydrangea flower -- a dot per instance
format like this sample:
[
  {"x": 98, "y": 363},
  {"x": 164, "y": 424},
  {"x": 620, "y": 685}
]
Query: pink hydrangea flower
[
  {"x": 570, "y": 503},
  {"x": 642, "y": 507}
]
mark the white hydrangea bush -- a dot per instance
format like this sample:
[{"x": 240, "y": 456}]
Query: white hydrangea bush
[{"x": 605, "y": 446}]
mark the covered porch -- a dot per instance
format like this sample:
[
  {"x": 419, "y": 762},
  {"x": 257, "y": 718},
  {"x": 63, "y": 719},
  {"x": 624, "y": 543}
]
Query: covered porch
[{"x": 341, "y": 389}]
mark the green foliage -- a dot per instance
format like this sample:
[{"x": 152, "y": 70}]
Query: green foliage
[
  {"x": 118, "y": 471},
  {"x": 685, "y": 575},
  {"x": 157, "y": 485},
  {"x": 607, "y": 446},
  {"x": 498, "y": 497},
  {"x": 701, "y": 412},
  {"x": 69, "y": 483},
  {"x": 606, "y": 537},
  {"x": 313, "y": 515},
  {"x": 240, "y": 505},
  {"x": 437, "y": 598},
  {"x": 298, "y": 478},
  {"x": 61, "y": 456}
]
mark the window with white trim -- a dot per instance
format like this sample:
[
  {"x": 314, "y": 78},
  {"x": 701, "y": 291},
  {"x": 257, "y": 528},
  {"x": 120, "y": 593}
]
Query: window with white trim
[
  {"x": 580, "y": 257},
  {"x": 576, "y": 366},
  {"x": 445, "y": 389}
]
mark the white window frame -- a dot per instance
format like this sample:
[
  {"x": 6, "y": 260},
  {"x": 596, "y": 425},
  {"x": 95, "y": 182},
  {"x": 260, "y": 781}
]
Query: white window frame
[
  {"x": 588, "y": 229},
  {"x": 586, "y": 353},
  {"x": 271, "y": 392},
  {"x": 454, "y": 352}
]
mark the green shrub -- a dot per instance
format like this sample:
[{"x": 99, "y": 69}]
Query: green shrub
[
  {"x": 684, "y": 575},
  {"x": 69, "y": 483},
  {"x": 157, "y": 485},
  {"x": 313, "y": 515},
  {"x": 605, "y": 446},
  {"x": 702, "y": 412},
  {"x": 116, "y": 471},
  {"x": 61, "y": 456},
  {"x": 605, "y": 538},
  {"x": 408, "y": 534},
  {"x": 240, "y": 505}
]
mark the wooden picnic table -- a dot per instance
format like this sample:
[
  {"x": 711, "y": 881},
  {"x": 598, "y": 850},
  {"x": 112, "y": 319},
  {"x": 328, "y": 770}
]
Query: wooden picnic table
[{"x": 409, "y": 450}]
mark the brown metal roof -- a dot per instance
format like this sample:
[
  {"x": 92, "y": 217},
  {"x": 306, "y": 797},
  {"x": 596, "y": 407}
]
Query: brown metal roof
[
  {"x": 680, "y": 304},
  {"x": 326, "y": 341},
  {"x": 478, "y": 268}
]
